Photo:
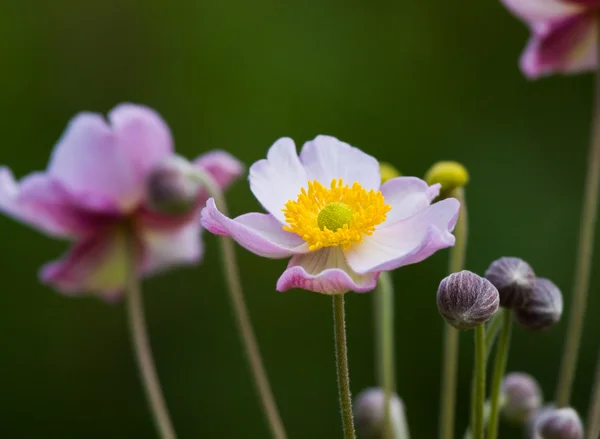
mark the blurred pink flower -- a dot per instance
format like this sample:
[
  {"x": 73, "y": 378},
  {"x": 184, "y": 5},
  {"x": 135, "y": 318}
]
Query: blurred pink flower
[
  {"x": 330, "y": 213},
  {"x": 564, "y": 35},
  {"x": 94, "y": 193}
]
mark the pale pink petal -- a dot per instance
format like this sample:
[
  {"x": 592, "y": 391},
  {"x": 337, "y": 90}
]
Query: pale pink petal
[
  {"x": 407, "y": 196},
  {"x": 98, "y": 264},
  {"x": 44, "y": 204},
  {"x": 259, "y": 233},
  {"x": 407, "y": 241},
  {"x": 326, "y": 158},
  {"x": 278, "y": 178},
  {"x": 325, "y": 271},
  {"x": 565, "y": 46},
  {"x": 534, "y": 12},
  {"x": 222, "y": 166},
  {"x": 111, "y": 161},
  {"x": 164, "y": 249}
]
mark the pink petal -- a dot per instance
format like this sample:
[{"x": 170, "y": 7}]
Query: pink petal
[
  {"x": 565, "y": 46},
  {"x": 324, "y": 271},
  {"x": 111, "y": 161},
  {"x": 407, "y": 241},
  {"x": 279, "y": 178},
  {"x": 259, "y": 233},
  {"x": 222, "y": 166},
  {"x": 535, "y": 12},
  {"x": 407, "y": 196},
  {"x": 164, "y": 249},
  {"x": 98, "y": 264},
  {"x": 326, "y": 158},
  {"x": 43, "y": 203}
]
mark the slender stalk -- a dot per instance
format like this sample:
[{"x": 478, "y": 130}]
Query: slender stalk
[
  {"x": 486, "y": 418},
  {"x": 384, "y": 326},
  {"x": 593, "y": 418},
  {"x": 491, "y": 332},
  {"x": 479, "y": 381},
  {"x": 499, "y": 369},
  {"x": 341, "y": 357},
  {"x": 143, "y": 352},
  {"x": 583, "y": 259},
  {"x": 451, "y": 341},
  {"x": 242, "y": 317}
]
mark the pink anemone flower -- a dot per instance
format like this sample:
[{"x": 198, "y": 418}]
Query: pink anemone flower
[
  {"x": 328, "y": 210},
  {"x": 93, "y": 192},
  {"x": 564, "y": 35}
]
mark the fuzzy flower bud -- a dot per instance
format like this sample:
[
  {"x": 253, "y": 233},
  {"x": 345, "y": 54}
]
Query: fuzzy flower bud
[
  {"x": 169, "y": 187},
  {"x": 451, "y": 175},
  {"x": 369, "y": 413},
  {"x": 544, "y": 308},
  {"x": 522, "y": 397},
  {"x": 514, "y": 279},
  {"x": 559, "y": 424},
  {"x": 388, "y": 171},
  {"x": 466, "y": 300}
]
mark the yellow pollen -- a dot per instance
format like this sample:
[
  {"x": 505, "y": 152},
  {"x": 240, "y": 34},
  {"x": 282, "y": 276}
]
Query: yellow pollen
[{"x": 336, "y": 216}]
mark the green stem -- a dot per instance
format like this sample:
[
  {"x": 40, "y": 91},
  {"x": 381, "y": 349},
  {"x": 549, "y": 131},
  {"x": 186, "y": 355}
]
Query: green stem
[
  {"x": 143, "y": 352},
  {"x": 242, "y": 317},
  {"x": 583, "y": 260},
  {"x": 486, "y": 418},
  {"x": 593, "y": 418},
  {"x": 499, "y": 369},
  {"x": 479, "y": 381},
  {"x": 451, "y": 340},
  {"x": 384, "y": 323},
  {"x": 341, "y": 357}
]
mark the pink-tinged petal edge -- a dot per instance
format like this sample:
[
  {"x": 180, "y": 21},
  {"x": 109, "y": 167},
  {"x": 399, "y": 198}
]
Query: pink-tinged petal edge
[
  {"x": 407, "y": 196},
  {"x": 535, "y": 12},
  {"x": 222, "y": 167},
  {"x": 259, "y": 233},
  {"x": 325, "y": 271},
  {"x": 407, "y": 241}
]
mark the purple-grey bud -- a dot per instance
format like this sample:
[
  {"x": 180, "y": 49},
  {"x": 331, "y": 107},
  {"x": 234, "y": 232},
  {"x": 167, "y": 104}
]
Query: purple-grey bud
[
  {"x": 544, "y": 308},
  {"x": 560, "y": 424},
  {"x": 514, "y": 279},
  {"x": 169, "y": 187},
  {"x": 530, "y": 424},
  {"x": 466, "y": 300},
  {"x": 369, "y": 413},
  {"x": 522, "y": 397}
]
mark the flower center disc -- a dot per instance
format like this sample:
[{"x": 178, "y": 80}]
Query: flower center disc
[{"x": 336, "y": 216}]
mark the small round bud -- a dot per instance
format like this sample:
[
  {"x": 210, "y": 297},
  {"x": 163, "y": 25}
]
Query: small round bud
[
  {"x": 522, "y": 397},
  {"x": 544, "y": 308},
  {"x": 450, "y": 175},
  {"x": 388, "y": 171},
  {"x": 466, "y": 300},
  {"x": 514, "y": 279},
  {"x": 531, "y": 423},
  {"x": 169, "y": 188},
  {"x": 369, "y": 413},
  {"x": 560, "y": 424}
]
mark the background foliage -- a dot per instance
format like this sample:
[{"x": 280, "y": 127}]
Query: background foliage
[{"x": 409, "y": 82}]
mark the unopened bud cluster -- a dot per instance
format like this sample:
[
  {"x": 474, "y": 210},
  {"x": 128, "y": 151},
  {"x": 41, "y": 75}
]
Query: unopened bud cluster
[
  {"x": 369, "y": 413},
  {"x": 522, "y": 397}
]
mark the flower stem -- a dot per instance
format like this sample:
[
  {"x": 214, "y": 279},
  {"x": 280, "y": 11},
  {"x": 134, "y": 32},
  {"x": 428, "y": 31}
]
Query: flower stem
[
  {"x": 486, "y": 419},
  {"x": 143, "y": 352},
  {"x": 341, "y": 357},
  {"x": 499, "y": 369},
  {"x": 242, "y": 317},
  {"x": 593, "y": 418},
  {"x": 384, "y": 326},
  {"x": 479, "y": 400},
  {"x": 451, "y": 341},
  {"x": 583, "y": 259}
]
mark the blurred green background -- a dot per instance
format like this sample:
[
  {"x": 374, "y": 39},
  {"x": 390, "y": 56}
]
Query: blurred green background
[{"x": 409, "y": 82}]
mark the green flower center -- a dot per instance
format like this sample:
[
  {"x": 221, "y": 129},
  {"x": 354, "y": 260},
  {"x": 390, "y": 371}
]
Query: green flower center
[{"x": 334, "y": 216}]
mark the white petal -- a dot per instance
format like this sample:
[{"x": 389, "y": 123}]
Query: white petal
[{"x": 407, "y": 196}]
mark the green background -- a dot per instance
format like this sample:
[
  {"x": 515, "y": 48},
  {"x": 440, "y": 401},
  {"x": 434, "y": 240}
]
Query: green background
[{"x": 408, "y": 82}]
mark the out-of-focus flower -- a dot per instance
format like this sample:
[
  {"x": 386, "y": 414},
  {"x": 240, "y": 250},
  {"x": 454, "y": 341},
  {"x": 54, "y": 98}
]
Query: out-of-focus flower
[
  {"x": 451, "y": 175},
  {"x": 522, "y": 397},
  {"x": 95, "y": 193},
  {"x": 563, "y": 35},
  {"x": 328, "y": 210},
  {"x": 559, "y": 424},
  {"x": 369, "y": 414}
]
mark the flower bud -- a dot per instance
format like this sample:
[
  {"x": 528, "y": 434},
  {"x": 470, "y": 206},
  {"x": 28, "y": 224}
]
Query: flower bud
[
  {"x": 522, "y": 397},
  {"x": 450, "y": 175},
  {"x": 466, "y": 300},
  {"x": 544, "y": 308},
  {"x": 169, "y": 188},
  {"x": 388, "y": 171},
  {"x": 369, "y": 413},
  {"x": 560, "y": 424},
  {"x": 514, "y": 279},
  {"x": 531, "y": 423}
]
